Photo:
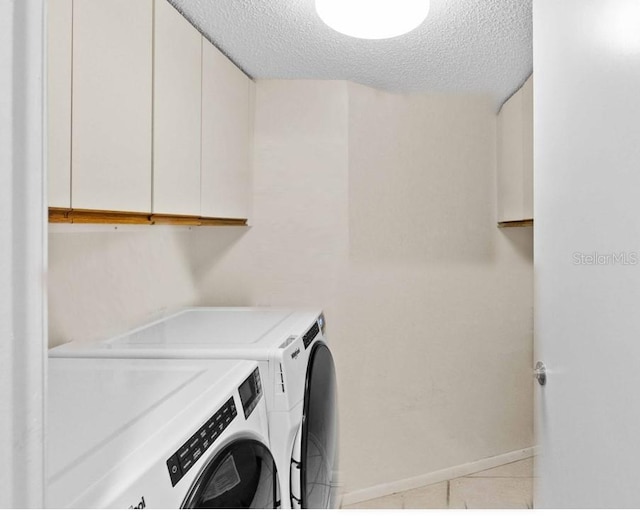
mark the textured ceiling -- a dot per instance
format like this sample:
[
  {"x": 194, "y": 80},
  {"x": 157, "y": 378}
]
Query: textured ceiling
[{"x": 479, "y": 46}]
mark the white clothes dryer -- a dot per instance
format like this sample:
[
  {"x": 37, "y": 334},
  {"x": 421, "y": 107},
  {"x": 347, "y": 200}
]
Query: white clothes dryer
[
  {"x": 127, "y": 433},
  {"x": 299, "y": 372}
]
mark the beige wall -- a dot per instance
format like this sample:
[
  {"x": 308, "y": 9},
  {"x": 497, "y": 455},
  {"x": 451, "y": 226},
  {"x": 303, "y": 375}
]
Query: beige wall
[
  {"x": 381, "y": 209},
  {"x": 102, "y": 281},
  {"x": 437, "y": 299}
]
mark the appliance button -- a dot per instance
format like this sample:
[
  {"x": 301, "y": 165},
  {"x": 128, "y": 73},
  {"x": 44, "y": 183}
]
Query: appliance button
[
  {"x": 197, "y": 453},
  {"x": 182, "y": 453},
  {"x": 195, "y": 442},
  {"x": 175, "y": 472},
  {"x": 186, "y": 464}
]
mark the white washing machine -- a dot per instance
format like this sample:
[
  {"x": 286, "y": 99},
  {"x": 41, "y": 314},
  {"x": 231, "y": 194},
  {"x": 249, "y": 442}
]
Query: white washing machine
[
  {"x": 127, "y": 433},
  {"x": 299, "y": 373}
]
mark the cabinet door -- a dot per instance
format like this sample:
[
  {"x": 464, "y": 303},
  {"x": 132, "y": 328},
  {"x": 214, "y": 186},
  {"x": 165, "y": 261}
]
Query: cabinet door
[
  {"x": 226, "y": 136},
  {"x": 527, "y": 149},
  {"x": 112, "y": 103},
  {"x": 177, "y": 113},
  {"x": 515, "y": 156},
  {"x": 59, "y": 27}
]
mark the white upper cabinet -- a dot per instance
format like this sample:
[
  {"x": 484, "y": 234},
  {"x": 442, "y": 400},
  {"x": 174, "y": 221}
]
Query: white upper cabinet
[
  {"x": 112, "y": 105},
  {"x": 177, "y": 113},
  {"x": 226, "y": 136},
  {"x": 59, "y": 14},
  {"x": 145, "y": 115},
  {"x": 515, "y": 157}
]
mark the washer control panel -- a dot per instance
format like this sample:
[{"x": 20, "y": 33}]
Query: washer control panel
[
  {"x": 186, "y": 456},
  {"x": 311, "y": 334}
]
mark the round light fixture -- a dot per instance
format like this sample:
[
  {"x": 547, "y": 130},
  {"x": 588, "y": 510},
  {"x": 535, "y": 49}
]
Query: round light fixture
[{"x": 373, "y": 19}]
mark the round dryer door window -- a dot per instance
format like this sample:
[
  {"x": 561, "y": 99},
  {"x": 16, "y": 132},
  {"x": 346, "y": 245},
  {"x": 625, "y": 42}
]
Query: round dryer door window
[
  {"x": 319, "y": 431},
  {"x": 241, "y": 475}
]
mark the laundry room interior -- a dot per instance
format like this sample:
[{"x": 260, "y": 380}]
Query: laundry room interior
[
  {"x": 319, "y": 254},
  {"x": 379, "y": 206}
]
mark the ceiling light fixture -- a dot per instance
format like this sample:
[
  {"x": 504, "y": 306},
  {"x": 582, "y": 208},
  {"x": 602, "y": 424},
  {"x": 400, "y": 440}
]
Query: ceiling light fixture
[{"x": 373, "y": 19}]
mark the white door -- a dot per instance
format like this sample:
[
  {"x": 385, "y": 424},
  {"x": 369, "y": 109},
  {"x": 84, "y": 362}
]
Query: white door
[{"x": 587, "y": 243}]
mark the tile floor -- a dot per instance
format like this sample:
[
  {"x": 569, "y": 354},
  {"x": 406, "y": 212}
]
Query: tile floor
[{"x": 508, "y": 486}]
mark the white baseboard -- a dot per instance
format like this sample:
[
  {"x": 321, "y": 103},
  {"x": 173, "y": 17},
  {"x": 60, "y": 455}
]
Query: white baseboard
[{"x": 436, "y": 477}]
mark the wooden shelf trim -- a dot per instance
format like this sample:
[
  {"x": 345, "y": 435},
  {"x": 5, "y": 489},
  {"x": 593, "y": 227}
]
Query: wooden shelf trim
[
  {"x": 516, "y": 224},
  {"x": 74, "y": 216}
]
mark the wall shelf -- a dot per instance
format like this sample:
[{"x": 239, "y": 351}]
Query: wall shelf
[
  {"x": 516, "y": 224},
  {"x": 73, "y": 216}
]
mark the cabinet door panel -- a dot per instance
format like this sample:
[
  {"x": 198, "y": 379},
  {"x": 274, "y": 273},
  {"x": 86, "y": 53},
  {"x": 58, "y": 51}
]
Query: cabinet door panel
[
  {"x": 510, "y": 159},
  {"x": 515, "y": 156},
  {"x": 527, "y": 149},
  {"x": 112, "y": 104},
  {"x": 226, "y": 136},
  {"x": 177, "y": 113},
  {"x": 59, "y": 27}
]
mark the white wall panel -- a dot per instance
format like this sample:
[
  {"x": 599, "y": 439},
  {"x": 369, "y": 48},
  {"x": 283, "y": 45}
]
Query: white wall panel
[{"x": 23, "y": 254}]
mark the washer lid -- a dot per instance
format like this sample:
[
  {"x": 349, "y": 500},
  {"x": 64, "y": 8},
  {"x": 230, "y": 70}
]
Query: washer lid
[
  {"x": 233, "y": 332},
  {"x": 100, "y": 411},
  {"x": 201, "y": 326}
]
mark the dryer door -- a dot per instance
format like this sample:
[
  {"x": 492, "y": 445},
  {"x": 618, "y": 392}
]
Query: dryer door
[
  {"x": 318, "y": 439},
  {"x": 242, "y": 475}
]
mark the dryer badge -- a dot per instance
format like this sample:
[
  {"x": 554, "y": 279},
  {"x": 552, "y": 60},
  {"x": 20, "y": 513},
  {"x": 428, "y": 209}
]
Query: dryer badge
[{"x": 140, "y": 506}]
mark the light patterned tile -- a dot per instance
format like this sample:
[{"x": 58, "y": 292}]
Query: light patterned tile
[
  {"x": 426, "y": 498},
  {"x": 497, "y": 493},
  {"x": 517, "y": 469},
  {"x": 393, "y": 501}
]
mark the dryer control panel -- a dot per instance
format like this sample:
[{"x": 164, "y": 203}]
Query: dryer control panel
[
  {"x": 250, "y": 392},
  {"x": 187, "y": 455},
  {"x": 311, "y": 334}
]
